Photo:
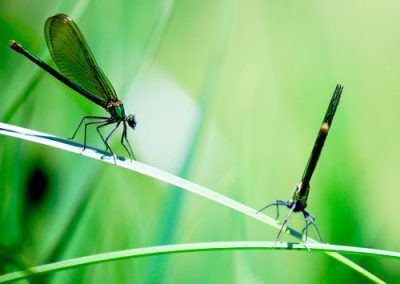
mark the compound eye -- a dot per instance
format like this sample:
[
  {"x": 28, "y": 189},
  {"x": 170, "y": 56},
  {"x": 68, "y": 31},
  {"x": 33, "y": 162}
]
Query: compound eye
[{"x": 131, "y": 121}]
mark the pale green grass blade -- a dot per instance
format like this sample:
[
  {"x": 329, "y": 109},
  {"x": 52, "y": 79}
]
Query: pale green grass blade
[
  {"x": 194, "y": 247},
  {"x": 72, "y": 146}
]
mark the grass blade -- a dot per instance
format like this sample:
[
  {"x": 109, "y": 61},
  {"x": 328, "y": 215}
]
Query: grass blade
[
  {"x": 72, "y": 146},
  {"x": 193, "y": 247}
]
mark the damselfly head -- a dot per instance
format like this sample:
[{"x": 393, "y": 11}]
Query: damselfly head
[{"x": 131, "y": 121}]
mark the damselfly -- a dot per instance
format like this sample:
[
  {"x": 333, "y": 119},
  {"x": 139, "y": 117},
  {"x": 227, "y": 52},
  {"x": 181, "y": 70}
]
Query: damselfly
[
  {"x": 80, "y": 72},
  {"x": 298, "y": 203}
]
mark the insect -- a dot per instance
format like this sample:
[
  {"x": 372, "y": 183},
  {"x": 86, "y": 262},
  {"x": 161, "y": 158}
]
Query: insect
[
  {"x": 80, "y": 72},
  {"x": 298, "y": 203}
]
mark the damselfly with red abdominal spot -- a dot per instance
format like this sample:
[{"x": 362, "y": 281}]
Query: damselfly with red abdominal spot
[{"x": 80, "y": 72}]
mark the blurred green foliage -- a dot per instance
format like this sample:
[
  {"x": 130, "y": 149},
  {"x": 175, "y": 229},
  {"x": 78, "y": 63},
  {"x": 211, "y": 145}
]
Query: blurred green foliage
[{"x": 229, "y": 94}]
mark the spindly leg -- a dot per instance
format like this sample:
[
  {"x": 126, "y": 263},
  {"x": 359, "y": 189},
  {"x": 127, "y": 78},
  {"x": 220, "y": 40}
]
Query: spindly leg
[
  {"x": 286, "y": 220},
  {"x": 277, "y": 204},
  {"x": 105, "y": 141},
  {"x": 305, "y": 229},
  {"x": 91, "y": 123},
  {"x": 310, "y": 220},
  {"x": 109, "y": 134},
  {"x": 86, "y": 117},
  {"x": 124, "y": 137}
]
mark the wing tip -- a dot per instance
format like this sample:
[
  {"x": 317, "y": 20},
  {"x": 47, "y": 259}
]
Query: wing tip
[{"x": 62, "y": 17}]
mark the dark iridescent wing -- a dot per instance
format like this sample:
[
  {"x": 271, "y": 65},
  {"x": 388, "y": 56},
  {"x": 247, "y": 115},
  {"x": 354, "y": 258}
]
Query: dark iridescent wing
[
  {"x": 73, "y": 57},
  {"x": 323, "y": 133},
  {"x": 330, "y": 112}
]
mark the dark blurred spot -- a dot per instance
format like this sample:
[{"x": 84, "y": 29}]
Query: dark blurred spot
[{"x": 37, "y": 185}]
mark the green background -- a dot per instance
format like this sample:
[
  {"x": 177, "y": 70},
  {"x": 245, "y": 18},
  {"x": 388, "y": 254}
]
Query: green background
[{"x": 228, "y": 94}]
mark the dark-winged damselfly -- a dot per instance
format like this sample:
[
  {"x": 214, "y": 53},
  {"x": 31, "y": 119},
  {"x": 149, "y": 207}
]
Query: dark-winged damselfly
[
  {"x": 298, "y": 203},
  {"x": 80, "y": 72}
]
